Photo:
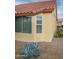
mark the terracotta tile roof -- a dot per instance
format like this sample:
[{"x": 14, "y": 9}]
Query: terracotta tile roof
[
  {"x": 59, "y": 21},
  {"x": 34, "y": 8}
]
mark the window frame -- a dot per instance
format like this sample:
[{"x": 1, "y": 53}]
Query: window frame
[
  {"x": 38, "y": 24},
  {"x": 23, "y": 24}
]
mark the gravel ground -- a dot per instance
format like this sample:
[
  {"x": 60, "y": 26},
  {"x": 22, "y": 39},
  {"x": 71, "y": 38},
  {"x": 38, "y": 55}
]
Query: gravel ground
[{"x": 50, "y": 50}]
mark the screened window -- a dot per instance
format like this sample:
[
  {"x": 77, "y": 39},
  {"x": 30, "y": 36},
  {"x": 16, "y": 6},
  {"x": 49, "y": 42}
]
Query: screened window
[
  {"x": 23, "y": 24},
  {"x": 18, "y": 24},
  {"x": 39, "y": 24}
]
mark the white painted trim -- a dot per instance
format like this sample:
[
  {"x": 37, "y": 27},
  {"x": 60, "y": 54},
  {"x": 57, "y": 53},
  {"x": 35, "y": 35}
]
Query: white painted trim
[{"x": 38, "y": 24}]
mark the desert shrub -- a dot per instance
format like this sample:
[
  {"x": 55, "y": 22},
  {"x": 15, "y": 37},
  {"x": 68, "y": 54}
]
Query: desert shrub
[
  {"x": 59, "y": 33},
  {"x": 30, "y": 50}
]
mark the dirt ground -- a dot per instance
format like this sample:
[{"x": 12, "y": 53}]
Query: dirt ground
[{"x": 50, "y": 50}]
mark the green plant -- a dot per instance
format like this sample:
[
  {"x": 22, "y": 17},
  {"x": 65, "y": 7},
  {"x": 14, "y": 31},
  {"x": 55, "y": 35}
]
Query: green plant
[{"x": 59, "y": 33}]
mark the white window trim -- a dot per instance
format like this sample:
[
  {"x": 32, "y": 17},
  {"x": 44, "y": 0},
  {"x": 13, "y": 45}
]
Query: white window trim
[{"x": 38, "y": 24}]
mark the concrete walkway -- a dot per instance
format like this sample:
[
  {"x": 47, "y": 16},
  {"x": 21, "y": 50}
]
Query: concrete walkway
[{"x": 50, "y": 50}]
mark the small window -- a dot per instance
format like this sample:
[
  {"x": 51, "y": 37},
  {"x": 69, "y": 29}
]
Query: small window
[{"x": 39, "y": 24}]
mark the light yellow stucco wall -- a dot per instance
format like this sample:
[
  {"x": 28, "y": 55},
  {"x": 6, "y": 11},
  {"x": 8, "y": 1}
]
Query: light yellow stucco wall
[{"x": 48, "y": 29}]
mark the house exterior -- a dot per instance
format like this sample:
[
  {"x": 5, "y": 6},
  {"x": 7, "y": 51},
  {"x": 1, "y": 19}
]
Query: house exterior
[
  {"x": 35, "y": 22},
  {"x": 60, "y": 23}
]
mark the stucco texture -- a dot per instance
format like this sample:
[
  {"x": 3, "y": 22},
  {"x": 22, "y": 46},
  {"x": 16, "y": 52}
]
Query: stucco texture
[{"x": 48, "y": 29}]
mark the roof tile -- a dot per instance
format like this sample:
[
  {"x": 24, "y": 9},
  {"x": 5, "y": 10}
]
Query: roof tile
[{"x": 35, "y": 7}]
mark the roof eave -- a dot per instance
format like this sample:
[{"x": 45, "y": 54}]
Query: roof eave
[{"x": 34, "y": 13}]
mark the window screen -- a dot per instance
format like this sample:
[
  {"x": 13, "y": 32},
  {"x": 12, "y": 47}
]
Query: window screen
[
  {"x": 39, "y": 24},
  {"x": 27, "y": 25},
  {"x": 18, "y": 24},
  {"x": 23, "y": 24}
]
